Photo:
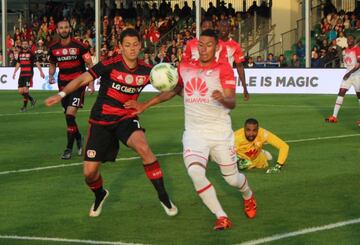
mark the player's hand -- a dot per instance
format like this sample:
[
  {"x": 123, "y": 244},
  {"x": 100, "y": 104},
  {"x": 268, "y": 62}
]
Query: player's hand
[
  {"x": 243, "y": 163},
  {"x": 14, "y": 76},
  {"x": 246, "y": 95},
  {"x": 51, "y": 80},
  {"x": 347, "y": 75},
  {"x": 274, "y": 170},
  {"x": 133, "y": 104},
  {"x": 217, "y": 95},
  {"x": 91, "y": 88},
  {"x": 52, "y": 100}
]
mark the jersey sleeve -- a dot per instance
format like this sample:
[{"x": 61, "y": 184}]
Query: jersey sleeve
[
  {"x": 52, "y": 58},
  {"x": 281, "y": 145},
  {"x": 227, "y": 78},
  {"x": 239, "y": 54},
  {"x": 85, "y": 52}
]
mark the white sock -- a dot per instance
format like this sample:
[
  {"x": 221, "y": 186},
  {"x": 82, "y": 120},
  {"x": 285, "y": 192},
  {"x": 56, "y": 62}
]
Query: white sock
[
  {"x": 238, "y": 180},
  {"x": 245, "y": 189},
  {"x": 338, "y": 103},
  {"x": 205, "y": 190}
]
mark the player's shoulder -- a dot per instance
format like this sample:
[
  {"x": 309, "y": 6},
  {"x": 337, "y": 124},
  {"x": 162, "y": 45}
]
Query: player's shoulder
[
  {"x": 113, "y": 60},
  {"x": 53, "y": 44},
  {"x": 142, "y": 63},
  {"x": 79, "y": 43}
]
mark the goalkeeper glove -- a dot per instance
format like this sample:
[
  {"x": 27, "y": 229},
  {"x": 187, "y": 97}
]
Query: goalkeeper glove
[
  {"x": 274, "y": 170},
  {"x": 243, "y": 163}
]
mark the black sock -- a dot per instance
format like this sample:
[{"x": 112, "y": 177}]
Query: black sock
[
  {"x": 98, "y": 190},
  {"x": 30, "y": 98},
  {"x": 26, "y": 99},
  {"x": 154, "y": 173},
  {"x": 72, "y": 131}
]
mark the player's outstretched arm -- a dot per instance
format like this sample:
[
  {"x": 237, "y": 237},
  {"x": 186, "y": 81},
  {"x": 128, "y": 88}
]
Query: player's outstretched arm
[
  {"x": 52, "y": 69},
  {"x": 42, "y": 75},
  {"x": 162, "y": 97},
  {"x": 82, "y": 80},
  {"x": 16, "y": 69}
]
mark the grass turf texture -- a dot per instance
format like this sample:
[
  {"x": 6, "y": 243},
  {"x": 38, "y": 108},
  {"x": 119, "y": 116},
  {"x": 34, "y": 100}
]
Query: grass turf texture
[{"x": 318, "y": 186}]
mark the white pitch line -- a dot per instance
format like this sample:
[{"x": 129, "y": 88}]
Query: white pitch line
[
  {"x": 160, "y": 155},
  {"x": 301, "y": 232},
  {"x": 55, "y": 239},
  {"x": 79, "y": 163}
]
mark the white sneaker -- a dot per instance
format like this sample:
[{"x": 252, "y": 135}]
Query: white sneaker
[
  {"x": 97, "y": 212},
  {"x": 170, "y": 211},
  {"x": 267, "y": 155}
]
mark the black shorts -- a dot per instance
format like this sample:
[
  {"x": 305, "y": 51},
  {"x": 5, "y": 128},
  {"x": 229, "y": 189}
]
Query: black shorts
[
  {"x": 24, "y": 82},
  {"x": 75, "y": 99},
  {"x": 103, "y": 141}
]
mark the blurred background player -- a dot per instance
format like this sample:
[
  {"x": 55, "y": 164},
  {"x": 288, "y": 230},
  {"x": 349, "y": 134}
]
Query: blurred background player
[
  {"x": 351, "y": 60},
  {"x": 209, "y": 95},
  {"x": 122, "y": 78},
  {"x": 70, "y": 56},
  {"x": 25, "y": 62},
  {"x": 249, "y": 142},
  {"x": 234, "y": 53}
]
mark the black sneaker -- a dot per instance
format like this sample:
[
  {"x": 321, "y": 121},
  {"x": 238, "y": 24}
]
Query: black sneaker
[
  {"x": 79, "y": 144},
  {"x": 96, "y": 208},
  {"x": 67, "y": 154},
  {"x": 33, "y": 102}
]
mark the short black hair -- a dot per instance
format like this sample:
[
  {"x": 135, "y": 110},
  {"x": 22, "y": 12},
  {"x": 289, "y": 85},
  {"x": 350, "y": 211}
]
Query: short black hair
[
  {"x": 129, "y": 32},
  {"x": 251, "y": 121},
  {"x": 210, "y": 33}
]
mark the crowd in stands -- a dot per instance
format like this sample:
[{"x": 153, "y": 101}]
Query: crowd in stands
[{"x": 153, "y": 22}]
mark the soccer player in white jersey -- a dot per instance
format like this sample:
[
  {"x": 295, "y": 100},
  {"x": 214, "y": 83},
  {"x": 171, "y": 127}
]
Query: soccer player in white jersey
[
  {"x": 234, "y": 53},
  {"x": 208, "y": 87},
  {"x": 351, "y": 60}
]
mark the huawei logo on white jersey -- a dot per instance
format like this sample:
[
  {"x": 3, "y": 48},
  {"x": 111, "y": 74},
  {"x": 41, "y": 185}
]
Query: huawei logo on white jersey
[{"x": 196, "y": 86}]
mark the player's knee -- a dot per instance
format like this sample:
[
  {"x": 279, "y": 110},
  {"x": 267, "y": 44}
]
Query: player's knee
[
  {"x": 90, "y": 175},
  {"x": 232, "y": 180},
  {"x": 196, "y": 171}
]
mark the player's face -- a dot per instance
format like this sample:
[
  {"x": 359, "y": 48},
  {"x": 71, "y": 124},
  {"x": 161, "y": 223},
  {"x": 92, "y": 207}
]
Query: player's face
[
  {"x": 207, "y": 48},
  {"x": 25, "y": 45},
  {"x": 63, "y": 29},
  {"x": 251, "y": 131},
  {"x": 350, "y": 41},
  {"x": 224, "y": 30},
  {"x": 130, "y": 47}
]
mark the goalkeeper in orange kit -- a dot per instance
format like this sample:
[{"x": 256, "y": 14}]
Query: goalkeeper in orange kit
[{"x": 249, "y": 142}]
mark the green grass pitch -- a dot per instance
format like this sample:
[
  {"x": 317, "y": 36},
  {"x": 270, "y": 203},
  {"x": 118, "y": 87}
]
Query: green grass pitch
[{"x": 318, "y": 186}]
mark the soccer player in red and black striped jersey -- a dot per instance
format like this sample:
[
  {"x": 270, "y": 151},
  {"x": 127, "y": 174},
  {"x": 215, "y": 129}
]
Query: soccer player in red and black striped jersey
[
  {"x": 71, "y": 56},
  {"x": 25, "y": 62},
  {"x": 122, "y": 79}
]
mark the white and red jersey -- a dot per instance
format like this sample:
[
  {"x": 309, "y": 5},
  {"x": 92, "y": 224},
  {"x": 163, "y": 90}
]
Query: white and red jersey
[
  {"x": 351, "y": 57},
  {"x": 234, "y": 52},
  {"x": 191, "y": 51},
  {"x": 202, "y": 112}
]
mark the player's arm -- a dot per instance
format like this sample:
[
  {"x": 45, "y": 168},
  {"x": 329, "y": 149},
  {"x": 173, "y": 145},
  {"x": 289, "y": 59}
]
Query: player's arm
[
  {"x": 283, "y": 148},
  {"x": 347, "y": 75},
  {"x": 82, "y": 80},
  {"x": 42, "y": 75},
  {"x": 241, "y": 71},
  {"x": 52, "y": 69},
  {"x": 16, "y": 69},
  {"x": 228, "y": 97},
  {"x": 140, "y": 107},
  {"x": 88, "y": 62}
]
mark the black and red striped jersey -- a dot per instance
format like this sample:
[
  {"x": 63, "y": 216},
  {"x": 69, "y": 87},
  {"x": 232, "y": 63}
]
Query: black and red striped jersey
[
  {"x": 70, "y": 59},
  {"x": 118, "y": 84},
  {"x": 26, "y": 59}
]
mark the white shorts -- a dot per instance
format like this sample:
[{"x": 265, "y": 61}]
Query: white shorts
[
  {"x": 353, "y": 80},
  {"x": 198, "y": 147}
]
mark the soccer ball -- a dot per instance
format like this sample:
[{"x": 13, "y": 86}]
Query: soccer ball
[{"x": 164, "y": 77}]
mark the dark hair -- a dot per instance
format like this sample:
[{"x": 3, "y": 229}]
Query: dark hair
[
  {"x": 206, "y": 20},
  {"x": 64, "y": 20},
  {"x": 129, "y": 32},
  {"x": 251, "y": 121},
  {"x": 210, "y": 33}
]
